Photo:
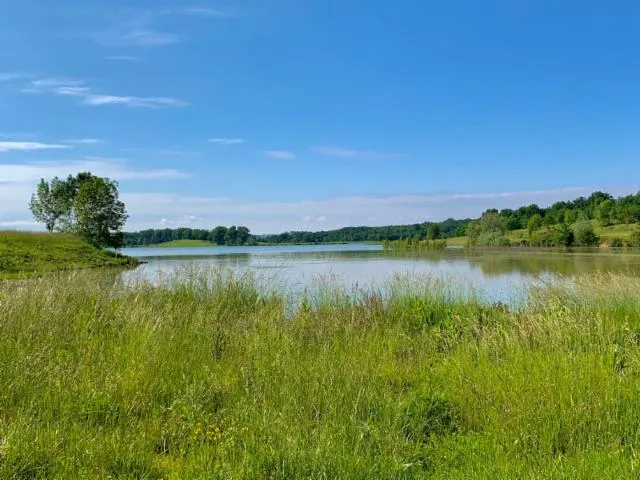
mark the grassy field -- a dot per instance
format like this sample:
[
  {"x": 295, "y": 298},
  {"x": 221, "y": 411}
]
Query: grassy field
[
  {"x": 24, "y": 254},
  {"x": 189, "y": 381}
]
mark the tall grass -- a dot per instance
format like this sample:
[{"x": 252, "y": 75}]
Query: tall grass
[{"x": 216, "y": 379}]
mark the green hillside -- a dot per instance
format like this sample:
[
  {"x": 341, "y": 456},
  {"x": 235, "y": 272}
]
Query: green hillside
[
  {"x": 606, "y": 234},
  {"x": 24, "y": 254}
]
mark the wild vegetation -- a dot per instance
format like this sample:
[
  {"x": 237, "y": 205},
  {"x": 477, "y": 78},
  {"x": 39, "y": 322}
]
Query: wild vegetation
[
  {"x": 84, "y": 205},
  {"x": 217, "y": 379},
  {"x": 414, "y": 245},
  {"x": 25, "y": 254}
]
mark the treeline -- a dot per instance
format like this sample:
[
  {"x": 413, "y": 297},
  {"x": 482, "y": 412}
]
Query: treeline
[
  {"x": 423, "y": 231},
  {"x": 599, "y": 206},
  {"x": 564, "y": 224},
  {"x": 242, "y": 236},
  {"x": 219, "y": 236}
]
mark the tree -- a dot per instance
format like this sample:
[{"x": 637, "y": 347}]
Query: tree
[
  {"x": 85, "y": 205},
  {"x": 242, "y": 235},
  {"x": 42, "y": 206},
  {"x": 218, "y": 235},
  {"x": 535, "y": 222},
  {"x": 433, "y": 231},
  {"x": 570, "y": 216},
  {"x": 51, "y": 202},
  {"x": 232, "y": 236},
  {"x": 605, "y": 212},
  {"x": 100, "y": 215},
  {"x": 585, "y": 236},
  {"x": 562, "y": 235}
]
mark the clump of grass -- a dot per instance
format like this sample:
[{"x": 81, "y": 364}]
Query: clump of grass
[{"x": 212, "y": 377}]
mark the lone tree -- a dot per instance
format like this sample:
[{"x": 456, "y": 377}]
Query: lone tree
[{"x": 86, "y": 205}]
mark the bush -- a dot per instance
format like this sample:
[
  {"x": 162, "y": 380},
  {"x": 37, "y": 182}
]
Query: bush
[
  {"x": 634, "y": 239},
  {"x": 615, "y": 243},
  {"x": 585, "y": 236}
]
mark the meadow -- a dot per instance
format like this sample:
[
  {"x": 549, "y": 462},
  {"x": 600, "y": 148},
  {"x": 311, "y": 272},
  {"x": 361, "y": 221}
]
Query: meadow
[
  {"x": 200, "y": 379},
  {"x": 26, "y": 254}
]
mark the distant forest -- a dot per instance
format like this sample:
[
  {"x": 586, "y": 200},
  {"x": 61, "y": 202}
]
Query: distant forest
[{"x": 599, "y": 206}]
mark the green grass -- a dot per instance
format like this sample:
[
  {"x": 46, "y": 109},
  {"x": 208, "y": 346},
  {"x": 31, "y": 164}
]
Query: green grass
[
  {"x": 204, "y": 380},
  {"x": 182, "y": 244},
  {"x": 24, "y": 254}
]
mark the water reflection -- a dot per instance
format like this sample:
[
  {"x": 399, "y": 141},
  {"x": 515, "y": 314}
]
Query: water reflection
[{"x": 498, "y": 275}]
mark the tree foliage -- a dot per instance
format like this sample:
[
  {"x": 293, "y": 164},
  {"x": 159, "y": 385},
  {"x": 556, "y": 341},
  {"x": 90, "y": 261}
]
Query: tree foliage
[{"x": 86, "y": 205}]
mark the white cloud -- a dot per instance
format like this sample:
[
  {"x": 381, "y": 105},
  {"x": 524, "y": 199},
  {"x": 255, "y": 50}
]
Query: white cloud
[
  {"x": 341, "y": 152},
  {"x": 184, "y": 221},
  {"x": 9, "y": 77},
  {"x": 280, "y": 154},
  {"x": 123, "y": 58},
  {"x": 19, "y": 224},
  {"x": 115, "y": 168},
  {"x": 29, "y": 146},
  {"x": 140, "y": 102},
  {"x": 147, "y": 209},
  {"x": 204, "y": 11},
  {"x": 226, "y": 141},
  {"x": 85, "y": 141},
  {"x": 135, "y": 30},
  {"x": 76, "y": 88}
]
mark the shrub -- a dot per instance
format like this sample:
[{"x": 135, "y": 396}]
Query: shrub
[
  {"x": 585, "y": 236},
  {"x": 615, "y": 242}
]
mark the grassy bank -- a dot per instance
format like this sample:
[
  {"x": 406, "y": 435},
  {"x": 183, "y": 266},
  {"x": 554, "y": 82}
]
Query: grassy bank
[
  {"x": 174, "y": 382},
  {"x": 25, "y": 254}
]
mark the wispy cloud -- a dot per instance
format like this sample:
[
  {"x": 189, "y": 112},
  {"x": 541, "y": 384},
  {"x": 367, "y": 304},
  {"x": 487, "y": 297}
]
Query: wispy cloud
[
  {"x": 118, "y": 169},
  {"x": 204, "y": 12},
  {"x": 16, "y": 224},
  {"x": 147, "y": 209},
  {"x": 123, "y": 58},
  {"x": 175, "y": 151},
  {"x": 29, "y": 146},
  {"x": 226, "y": 141},
  {"x": 264, "y": 216},
  {"x": 9, "y": 77},
  {"x": 138, "y": 28},
  {"x": 341, "y": 152},
  {"x": 280, "y": 154},
  {"x": 84, "y": 141},
  {"x": 135, "y": 30},
  {"x": 89, "y": 97}
]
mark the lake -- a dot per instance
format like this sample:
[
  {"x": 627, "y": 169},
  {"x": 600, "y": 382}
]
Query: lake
[{"x": 502, "y": 275}]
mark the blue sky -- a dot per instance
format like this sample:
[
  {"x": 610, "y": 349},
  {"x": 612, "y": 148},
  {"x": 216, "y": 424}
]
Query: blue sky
[{"x": 315, "y": 114}]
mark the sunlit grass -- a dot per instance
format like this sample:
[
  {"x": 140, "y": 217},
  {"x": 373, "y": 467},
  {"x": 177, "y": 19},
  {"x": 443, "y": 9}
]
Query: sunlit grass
[
  {"x": 25, "y": 254},
  {"x": 212, "y": 377}
]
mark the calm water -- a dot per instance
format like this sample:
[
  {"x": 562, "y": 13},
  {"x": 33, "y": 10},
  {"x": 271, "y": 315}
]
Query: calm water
[{"x": 502, "y": 275}]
